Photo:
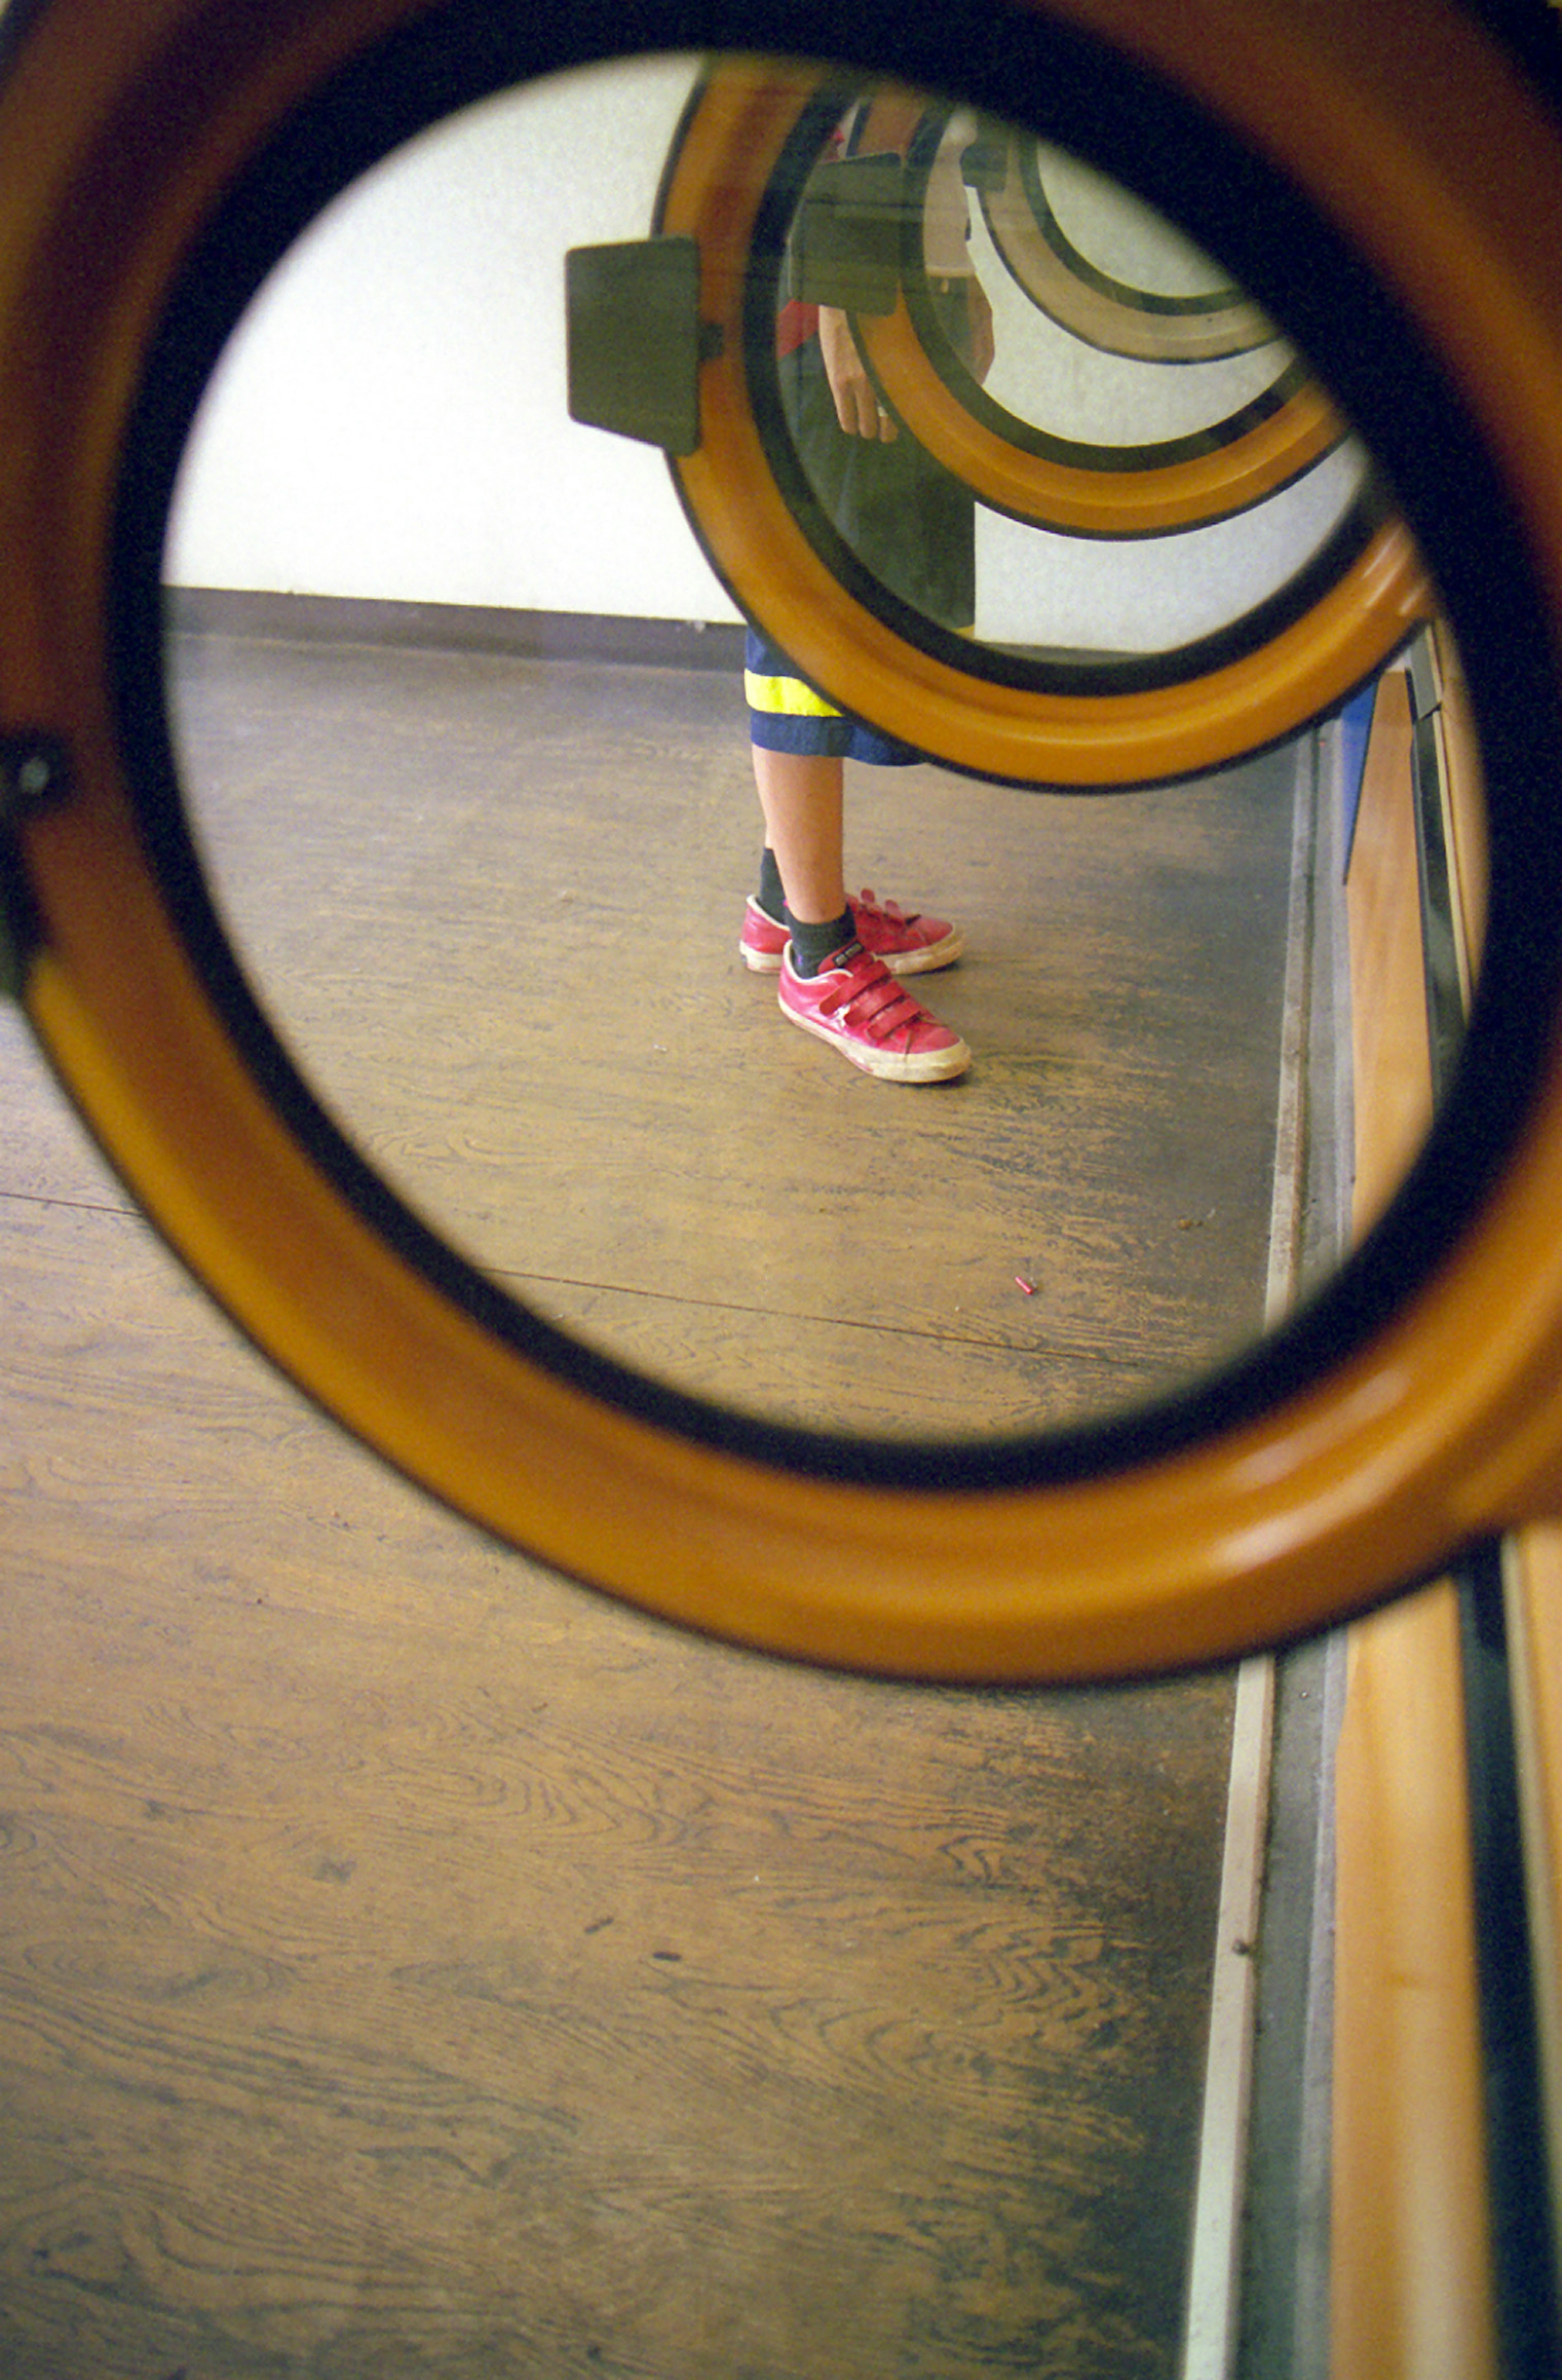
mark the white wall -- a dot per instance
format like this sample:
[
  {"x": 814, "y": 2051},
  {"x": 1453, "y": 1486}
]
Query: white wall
[{"x": 390, "y": 420}]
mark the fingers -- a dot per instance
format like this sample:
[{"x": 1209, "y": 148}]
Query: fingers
[
  {"x": 856, "y": 401},
  {"x": 860, "y": 414},
  {"x": 856, "y": 407},
  {"x": 874, "y": 422}
]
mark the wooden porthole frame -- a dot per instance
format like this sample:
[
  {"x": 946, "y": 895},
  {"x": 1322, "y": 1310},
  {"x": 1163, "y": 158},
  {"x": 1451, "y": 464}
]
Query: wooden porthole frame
[
  {"x": 1059, "y": 483},
  {"x": 1089, "y": 304},
  {"x": 1143, "y": 722},
  {"x": 1417, "y": 1403}
]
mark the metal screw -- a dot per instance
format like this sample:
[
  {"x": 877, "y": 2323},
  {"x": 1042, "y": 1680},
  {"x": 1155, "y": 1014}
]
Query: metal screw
[{"x": 34, "y": 772}]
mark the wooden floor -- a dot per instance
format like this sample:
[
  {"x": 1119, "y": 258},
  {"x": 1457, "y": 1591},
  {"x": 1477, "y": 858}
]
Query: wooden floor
[
  {"x": 415, "y": 1966},
  {"x": 496, "y": 910}
]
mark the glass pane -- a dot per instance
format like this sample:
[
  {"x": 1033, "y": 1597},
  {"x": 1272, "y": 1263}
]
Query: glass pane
[{"x": 461, "y": 717}]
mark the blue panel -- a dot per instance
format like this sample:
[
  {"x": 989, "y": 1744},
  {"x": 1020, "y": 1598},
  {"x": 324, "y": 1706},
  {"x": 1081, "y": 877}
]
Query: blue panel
[{"x": 1355, "y": 726}]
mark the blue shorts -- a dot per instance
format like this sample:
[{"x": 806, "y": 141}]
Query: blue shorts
[{"x": 786, "y": 714}]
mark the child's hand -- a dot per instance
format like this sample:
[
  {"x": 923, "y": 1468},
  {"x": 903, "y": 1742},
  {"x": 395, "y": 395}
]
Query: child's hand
[{"x": 857, "y": 400}]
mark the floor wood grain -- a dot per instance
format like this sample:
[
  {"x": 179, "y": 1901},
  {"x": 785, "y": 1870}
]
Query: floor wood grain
[
  {"x": 494, "y": 907},
  {"x": 415, "y": 1965}
]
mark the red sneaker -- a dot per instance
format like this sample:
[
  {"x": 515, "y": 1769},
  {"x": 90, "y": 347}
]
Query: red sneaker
[
  {"x": 907, "y": 943},
  {"x": 857, "y": 1003}
]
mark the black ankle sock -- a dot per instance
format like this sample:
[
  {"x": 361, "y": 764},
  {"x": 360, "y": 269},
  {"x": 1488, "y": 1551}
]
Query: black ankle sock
[
  {"x": 771, "y": 895},
  {"x": 811, "y": 945}
]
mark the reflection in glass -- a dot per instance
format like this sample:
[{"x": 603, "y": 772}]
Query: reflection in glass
[
  {"x": 1061, "y": 402},
  {"x": 1112, "y": 272},
  {"x": 475, "y": 802}
]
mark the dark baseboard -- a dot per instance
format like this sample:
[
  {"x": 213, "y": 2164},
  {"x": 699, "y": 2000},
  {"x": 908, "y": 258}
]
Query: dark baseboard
[
  {"x": 454, "y": 627},
  {"x": 483, "y": 628}
]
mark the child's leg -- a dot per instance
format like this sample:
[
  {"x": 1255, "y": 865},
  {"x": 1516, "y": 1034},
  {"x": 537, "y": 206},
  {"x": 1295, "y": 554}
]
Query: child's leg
[
  {"x": 802, "y": 795},
  {"x": 802, "y": 888},
  {"x": 830, "y": 984}
]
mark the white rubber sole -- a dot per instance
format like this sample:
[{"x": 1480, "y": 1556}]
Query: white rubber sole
[{"x": 887, "y": 1065}]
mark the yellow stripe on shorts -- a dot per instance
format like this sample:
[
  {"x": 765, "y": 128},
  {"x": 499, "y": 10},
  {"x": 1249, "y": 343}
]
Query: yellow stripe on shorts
[{"x": 785, "y": 697}]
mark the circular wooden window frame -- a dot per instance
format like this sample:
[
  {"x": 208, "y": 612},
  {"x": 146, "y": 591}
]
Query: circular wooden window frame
[
  {"x": 1017, "y": 467},
  {"x": 1419, "y": 1403},
  {"x": 1110, "y": 498},
  {"x": 1143, "y": 722},
  {"x": 1092, "y": 307}
]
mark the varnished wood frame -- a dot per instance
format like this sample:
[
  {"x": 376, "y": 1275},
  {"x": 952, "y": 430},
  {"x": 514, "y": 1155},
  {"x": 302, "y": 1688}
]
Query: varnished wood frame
[
  {"x": 1182, "y": 720},
  {"x": 1312, "y": 1483},
  {"x": 1120, "y": 501},
  {"x": 1149, "y": 495},
  {"x": 1226, "y": 324}
]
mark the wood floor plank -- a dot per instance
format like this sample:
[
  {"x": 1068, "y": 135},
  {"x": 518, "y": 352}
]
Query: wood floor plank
[
  {"x": 413, "y": 1964},
  {"x": 511, "y": 970}
]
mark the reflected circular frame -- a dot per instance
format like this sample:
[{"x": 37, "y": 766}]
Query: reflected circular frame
[
  {"x": 161, "y": 155},
  {"x": 1093, "y": 305},
  {"x": 1035, "y": 472},
  {"x": 737, "y": 171}
]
